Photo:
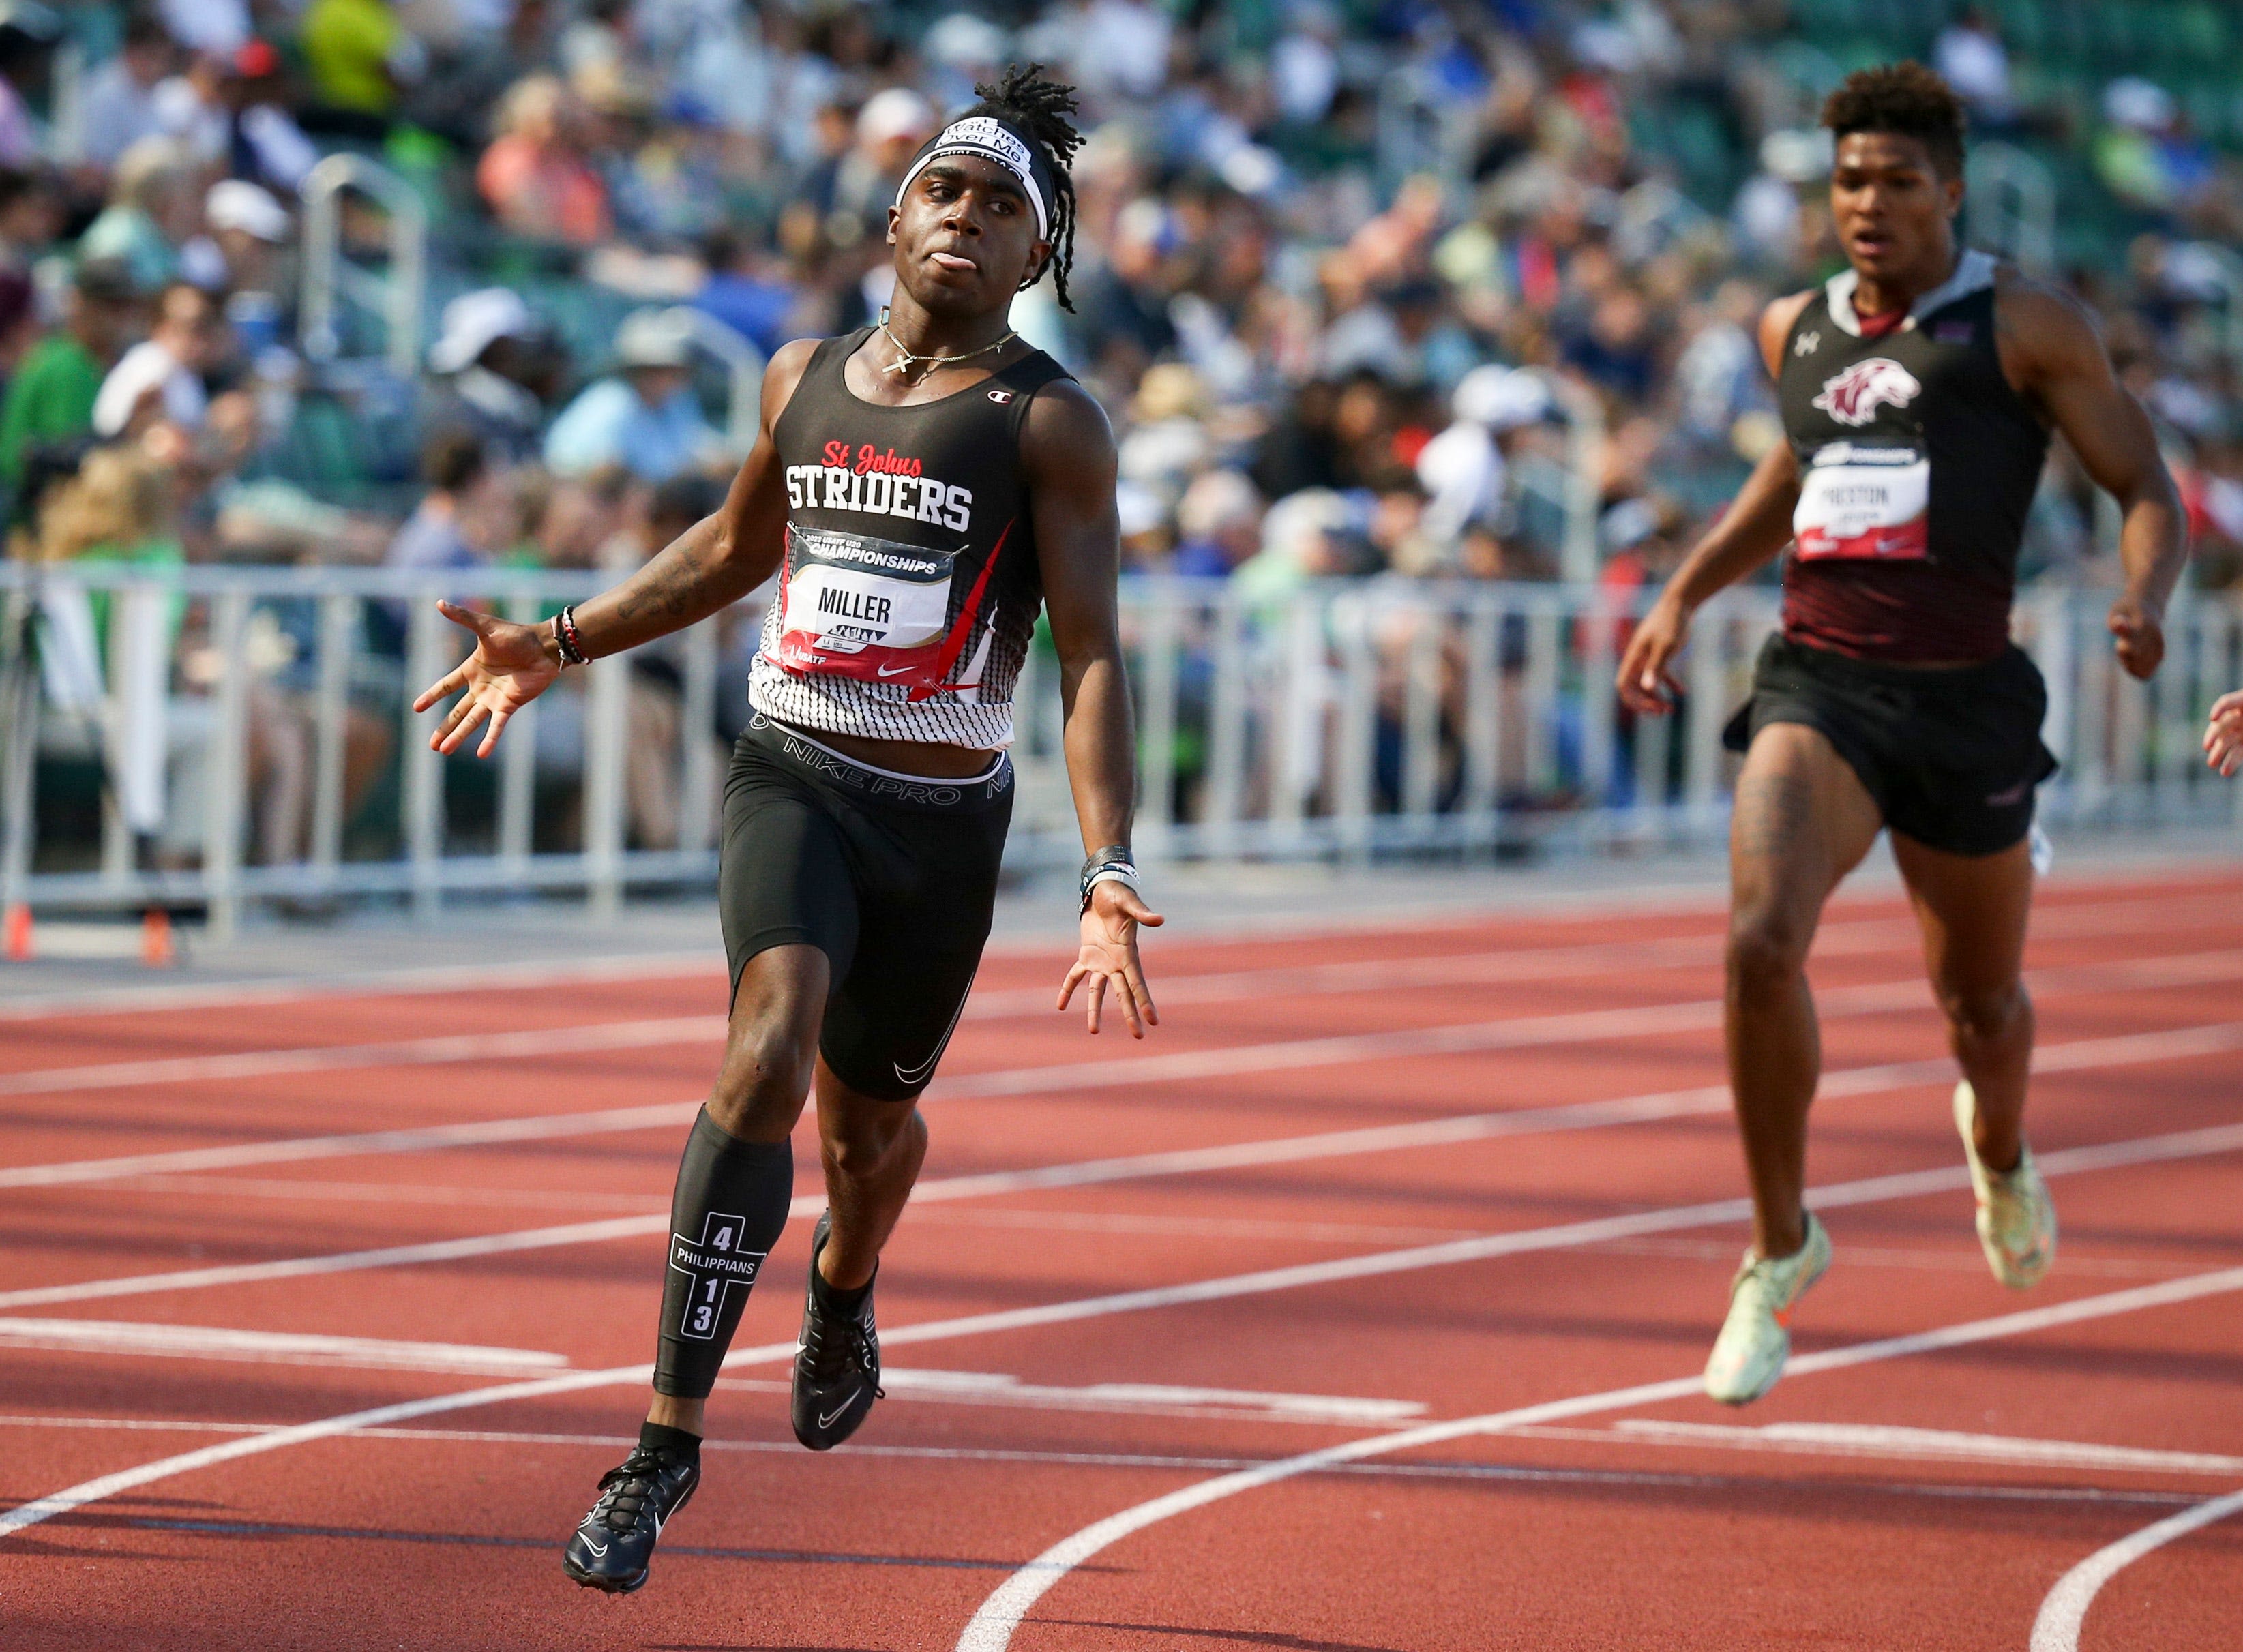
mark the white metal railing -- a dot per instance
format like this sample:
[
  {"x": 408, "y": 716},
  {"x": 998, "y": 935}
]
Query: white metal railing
[
  {"x": 397, "y": 294},
  {"x": 1347, "y": 720},
  {"x": 744, "y": 373}
]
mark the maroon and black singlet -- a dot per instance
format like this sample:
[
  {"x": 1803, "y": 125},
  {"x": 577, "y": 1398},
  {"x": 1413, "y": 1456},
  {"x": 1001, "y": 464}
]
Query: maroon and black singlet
[{"x": 1917, "y": 465}]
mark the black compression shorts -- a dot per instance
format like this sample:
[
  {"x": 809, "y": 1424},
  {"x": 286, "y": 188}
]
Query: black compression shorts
[
  {"x": 891, "y": 877},
  {"x": 1951, "y": 757}
]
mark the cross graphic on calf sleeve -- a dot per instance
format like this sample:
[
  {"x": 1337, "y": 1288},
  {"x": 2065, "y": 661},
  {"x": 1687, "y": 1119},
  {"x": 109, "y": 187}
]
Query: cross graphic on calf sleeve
[{"x": 713, "y": 1266}]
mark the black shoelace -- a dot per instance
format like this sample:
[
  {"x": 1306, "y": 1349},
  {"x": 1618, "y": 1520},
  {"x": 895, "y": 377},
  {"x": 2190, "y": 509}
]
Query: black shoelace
[
  {"x": 831, "y": 1358},
  {"x": 626, "y": 1489}
]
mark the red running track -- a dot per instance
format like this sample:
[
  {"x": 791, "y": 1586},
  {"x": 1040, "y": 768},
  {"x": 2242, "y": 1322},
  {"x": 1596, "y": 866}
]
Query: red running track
[{"x": 1355, "y": 1312}]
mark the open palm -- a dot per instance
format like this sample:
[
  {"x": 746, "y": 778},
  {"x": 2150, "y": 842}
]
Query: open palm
[{"x": 508, "y": 670}]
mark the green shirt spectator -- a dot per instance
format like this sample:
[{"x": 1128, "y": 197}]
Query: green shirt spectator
[
  {"x": 51, "y": 397},
  {"x": 355, "y": 50}
]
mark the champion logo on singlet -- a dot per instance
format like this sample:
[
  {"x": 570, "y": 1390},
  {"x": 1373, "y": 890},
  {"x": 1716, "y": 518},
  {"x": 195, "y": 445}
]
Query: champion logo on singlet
[
  {"x": 1854, "y": 396},
  {"x": 873, "y": 482}
]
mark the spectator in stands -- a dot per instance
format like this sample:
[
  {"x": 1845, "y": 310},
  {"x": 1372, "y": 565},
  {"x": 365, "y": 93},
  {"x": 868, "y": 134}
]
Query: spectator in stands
[
  {"x": 31, "y": 216},
  {"x": 240, "y": 252},
  {"x": 50, "y": 396},
  {"x": 892, "y": 124},
  {"x": 215, "y": 27},
  {"x": 646, "y": 418},
  {"x": 535, "y": 177},
  {"x": 488, "y": 360},
  {"x": 1970, "y": 55},
  {"x": 1464, "y": 469},
  {"x": 159, "y": 379},
  {"x": 1220, "y": 520},
  {"x": 118, "y": 108},
  {"x": 460, "y": 520},
  {"x": 29, "y": 32},
  {"x": 359, "y": 54},
  {"x": 155, "y": 207},
  {"x": 657, "y": 686},
  {"x": 264, "y": 143},
  {"x": 745, "y": 292}
]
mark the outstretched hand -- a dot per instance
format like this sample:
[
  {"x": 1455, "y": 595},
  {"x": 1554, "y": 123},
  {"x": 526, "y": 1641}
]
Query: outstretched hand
[
  {"x": 1109, "y": 958},
  {"x": 508, "y": 670},
  {"x": 2223, "y": 736}
]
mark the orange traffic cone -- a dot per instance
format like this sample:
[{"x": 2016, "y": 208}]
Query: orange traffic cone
[
  {"x": 18, "y": 940},
  {"x": 156, "y": 949}
]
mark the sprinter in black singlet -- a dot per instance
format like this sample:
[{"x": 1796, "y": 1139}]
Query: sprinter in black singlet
[
  {"x": 925, "y": 486},
  {"x": 1918, "y": 388}
]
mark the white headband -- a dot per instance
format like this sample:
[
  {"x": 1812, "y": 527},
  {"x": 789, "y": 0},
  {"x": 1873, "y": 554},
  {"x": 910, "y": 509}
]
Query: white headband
[{"x": 992, "y": 140}]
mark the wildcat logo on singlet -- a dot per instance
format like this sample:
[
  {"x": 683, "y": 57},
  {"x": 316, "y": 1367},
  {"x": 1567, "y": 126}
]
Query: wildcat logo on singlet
[
  {"x": 1854, "y": 396},
  {"x": 859, "y": 606}
]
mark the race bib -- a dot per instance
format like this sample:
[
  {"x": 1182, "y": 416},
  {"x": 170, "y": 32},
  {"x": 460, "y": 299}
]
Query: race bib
[
  {"x": 846, "y": 593},
  {"x": 1869, "y": 504}
]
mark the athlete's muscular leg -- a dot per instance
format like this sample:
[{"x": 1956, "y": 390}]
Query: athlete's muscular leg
[
  {"x": 1803, "y": 820},
  {"x": 771, "y": 1050},
  {"x": 871, "y": 1151},
  {"x": 1973, "y": 909},
  {"x": 771, "y": 1043}
]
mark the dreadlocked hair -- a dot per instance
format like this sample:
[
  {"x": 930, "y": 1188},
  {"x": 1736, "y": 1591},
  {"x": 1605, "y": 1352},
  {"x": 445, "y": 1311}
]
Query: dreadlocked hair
[{"x": 1039, "y": 108}]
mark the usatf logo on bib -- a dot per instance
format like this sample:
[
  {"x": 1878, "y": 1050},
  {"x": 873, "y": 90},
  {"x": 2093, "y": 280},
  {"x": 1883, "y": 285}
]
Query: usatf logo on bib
[{"x": 1854, "y": 396}]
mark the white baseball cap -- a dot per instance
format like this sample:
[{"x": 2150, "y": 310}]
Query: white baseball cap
[
  {"x": 473, "y": 322},
  {"x": 1501, "y": 398},
  {"x": 655, "y": 339},
  {"x": 236, "y": 203}
]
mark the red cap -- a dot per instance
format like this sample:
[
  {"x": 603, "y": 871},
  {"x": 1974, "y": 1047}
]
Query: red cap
[{"x": 256, "y": 59}]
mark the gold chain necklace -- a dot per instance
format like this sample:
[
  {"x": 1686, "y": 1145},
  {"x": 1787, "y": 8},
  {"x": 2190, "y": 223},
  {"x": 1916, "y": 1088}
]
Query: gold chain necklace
[{"x": 909, "y": 361}]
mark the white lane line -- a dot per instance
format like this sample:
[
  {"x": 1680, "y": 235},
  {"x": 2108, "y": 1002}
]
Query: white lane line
[
  {"x": 1889, "y": 1442},
  {"x": 1858, "y": 938},
  {"x": 1150, "y": 1461},
  {"x": 530, "y": 1044},
  {"x": 994, "y": 1387},
  {"x": 399, "y": 983},
  {"x": 215, "y": 1342},
  {"x": 2187, "y": 1144},
  {"x": 1473, "y": 967},
  {"x": 2083, "y": 1055},
  {"x": 482, "y": 1133},
  {"x": 421, "y": 1255},
  {"x": 992, "y": 1627},
  {"x": 2067, "y": 920},
  {"x": 2057, "y": 1626},
  {"x": 1065, "y": 1077}
]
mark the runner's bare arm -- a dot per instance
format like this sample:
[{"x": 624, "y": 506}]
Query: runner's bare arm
[
  {"x": 1756, "y": 526},
  {"x": 708, "y": 567},
  {"x": 2053, "y": 355},
  {"x": 1068, "y": 450}
]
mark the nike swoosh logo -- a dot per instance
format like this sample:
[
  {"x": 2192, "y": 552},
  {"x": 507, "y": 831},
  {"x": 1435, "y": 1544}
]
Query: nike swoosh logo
[
  {"x": 599, "y": 1549},
  {"x": 827, "y": 1422},
  {"x": 899, "y": 671}
]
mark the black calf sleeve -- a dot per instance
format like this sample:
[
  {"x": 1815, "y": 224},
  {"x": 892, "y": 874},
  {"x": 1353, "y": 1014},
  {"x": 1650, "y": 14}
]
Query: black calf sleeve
[{"x": 728, "y": 1210}]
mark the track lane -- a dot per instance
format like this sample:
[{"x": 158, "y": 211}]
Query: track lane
[{"x": 993, "y": 1504}]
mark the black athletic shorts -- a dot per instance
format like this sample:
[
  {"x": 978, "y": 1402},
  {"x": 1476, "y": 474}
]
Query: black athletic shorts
[
  {"x": 1950, "y": 755},
  {"x": 892, "y": 876}
]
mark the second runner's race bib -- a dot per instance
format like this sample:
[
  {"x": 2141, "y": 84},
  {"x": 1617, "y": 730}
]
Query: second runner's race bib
[{"x": 1864, "y": 504}]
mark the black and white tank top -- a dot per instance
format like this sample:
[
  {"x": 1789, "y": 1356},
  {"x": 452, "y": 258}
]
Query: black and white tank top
[{"x": 911, "y": 587}]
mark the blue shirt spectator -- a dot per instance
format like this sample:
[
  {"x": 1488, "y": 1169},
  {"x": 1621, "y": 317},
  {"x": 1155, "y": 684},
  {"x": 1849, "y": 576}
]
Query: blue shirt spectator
[{"x": 646, "y": 418}]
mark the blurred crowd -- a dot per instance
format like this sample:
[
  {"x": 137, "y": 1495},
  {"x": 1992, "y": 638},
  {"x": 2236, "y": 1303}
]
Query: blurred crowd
[{"x": 1410, "y": 290}]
